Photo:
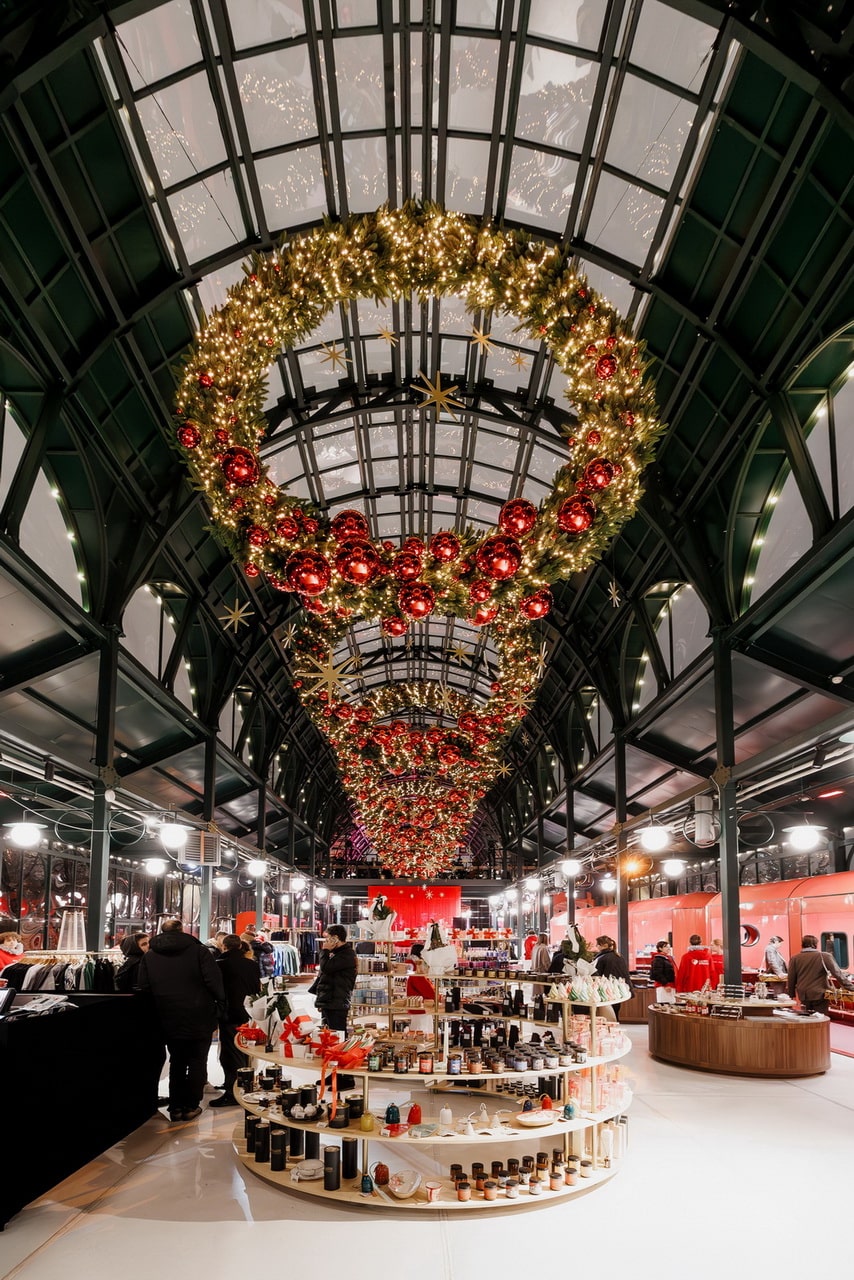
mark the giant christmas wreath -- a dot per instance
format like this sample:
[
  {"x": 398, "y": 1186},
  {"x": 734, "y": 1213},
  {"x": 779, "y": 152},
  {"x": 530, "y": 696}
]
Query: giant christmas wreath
[{"x": 338, "y": 573}]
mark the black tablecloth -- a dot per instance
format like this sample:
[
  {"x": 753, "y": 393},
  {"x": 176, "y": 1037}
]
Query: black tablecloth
[{"x": 72, "y": 1085}]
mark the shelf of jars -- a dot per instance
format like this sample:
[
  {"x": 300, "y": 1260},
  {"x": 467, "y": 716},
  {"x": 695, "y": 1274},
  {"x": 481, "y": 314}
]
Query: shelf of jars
[{"x": 581, "y": 1108}]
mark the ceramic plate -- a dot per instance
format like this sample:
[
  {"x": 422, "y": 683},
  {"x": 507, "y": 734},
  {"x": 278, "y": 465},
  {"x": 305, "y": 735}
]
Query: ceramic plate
[{"x": 535, "y": 1119}]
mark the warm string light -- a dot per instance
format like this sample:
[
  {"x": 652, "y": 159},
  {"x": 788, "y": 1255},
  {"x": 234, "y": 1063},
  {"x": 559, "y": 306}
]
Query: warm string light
[{"x": 499, "y": 579}]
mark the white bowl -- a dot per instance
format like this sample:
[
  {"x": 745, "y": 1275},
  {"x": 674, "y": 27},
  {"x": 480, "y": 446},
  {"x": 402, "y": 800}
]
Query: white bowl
[
  {"x": 404, "y": 1184},
  {"x": 535, "y": 1119}
]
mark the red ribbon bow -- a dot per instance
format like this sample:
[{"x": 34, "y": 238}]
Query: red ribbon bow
[
  {"x": 254, "y": 1035},
  {"x": 351, "y": 1053},
  {"x": 291, "y": 1031}
]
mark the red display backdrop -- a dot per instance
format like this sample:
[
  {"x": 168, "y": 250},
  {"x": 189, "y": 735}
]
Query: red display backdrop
[{"x": 416, "y": 907}]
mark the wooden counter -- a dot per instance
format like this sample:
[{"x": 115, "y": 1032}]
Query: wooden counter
[
  {"x": 747, "y": 1046},
  {"x": 635, "y": 1010}
]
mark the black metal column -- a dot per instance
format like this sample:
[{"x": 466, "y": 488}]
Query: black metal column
[
  {"x": 208, "y": 806},
  {"x": 620, "y": 826},
  {"x": 723, "y": 780},
  {"x": 570, "y": 846},
  {"x": 105, "y": 732},
  {"x": 261, "y": 838}
]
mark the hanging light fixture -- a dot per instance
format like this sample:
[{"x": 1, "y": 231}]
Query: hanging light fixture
[
  {"x": 805, "y": 837},
  {"x": 672, "y": 868},
  {"x": 298, "y": 884},
  {"x": 321, "y": 892},
  {"x": 154, "y": 866},
  {"x": 221, "y": 883},
  {"x": 173, "y": 835},
  {"x": 608, "y": 883},
  {"x": 654, "y": 838},
  {"x": 336, "y": 900},
  {"x": 256, "y": 867},
  {"x": 570, "y": 868},
  {"x": 532, "y": 884},
  {"x": 24, "y": 835}
]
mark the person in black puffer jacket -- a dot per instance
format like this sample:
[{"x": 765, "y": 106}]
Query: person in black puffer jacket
[
  {"x": 611, "y": 964},
  {"x": 333, "y": 987},
  {"x": 241, "y": 978},
  {"x": 133, "y": 948},
  {"x": 188, "y": 994}
]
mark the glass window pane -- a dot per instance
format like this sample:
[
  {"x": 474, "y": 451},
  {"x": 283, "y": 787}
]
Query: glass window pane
[
  {"x": 258, "y": 22},
  {"x": 650, "y": 130},
  {"x": 292, "y": 188},
  {"x": 843, "y": 417},
  {"x": 575, "y": 21},
  {"x": 276, "y": 92},
  {"x": 787, "y": 538},
  {"x": 471, "y": 92},
  {"x": 182, "y": 129},
  {"x": 366, "y": 170},
  {"x": 465, "y": 182},
  {"x": 159, "y": 43},
  {"x": 540, "y": 188},
  {"x": 672, "y": 44},
  {"x": 207, "y": 216},
  {"x": 359, "y": 75},
  {"x": 555, "y": 104},
  {"x": 624, "y": 218}
]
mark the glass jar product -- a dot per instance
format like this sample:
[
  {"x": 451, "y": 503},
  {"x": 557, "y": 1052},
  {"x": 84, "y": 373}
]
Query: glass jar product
[
  {"x": 477, "y": 1167},
  {"x": 380, "y": 1174},
  {"x": 528, "y": 1163},
  {"x": 455, "y": 1064},
  {"x": 356, "y": 1103},
  {"x": 366, "y": 1122},
  {"x": 456, "y": 1173},
  {"x": 401, "y": 1064},
  {"x": 585, "y": 1168},
  {"x": 536, "y": 1186},
  {"x": 425, "y": 1062},
  {"x": 570, "y": 1175},
  {"x": 475, "y": 1064},
  {"x": 556, "y": 1178},
  {"x": 490, "y": 1190},
  {"x": 464, "y": 1190},
  {"x": 501, "y": 1179},
  {"x": 513, "y": 1166},
  {"x": 496, "y": 1167},
  {"x": 512, "y": 1189},
  {"x": 542, "y": 1161},
  {"x": 375, "y": 1060}
]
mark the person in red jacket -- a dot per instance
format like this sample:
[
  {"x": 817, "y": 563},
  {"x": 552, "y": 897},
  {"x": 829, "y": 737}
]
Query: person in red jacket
[{"x": 698, "y": 966}]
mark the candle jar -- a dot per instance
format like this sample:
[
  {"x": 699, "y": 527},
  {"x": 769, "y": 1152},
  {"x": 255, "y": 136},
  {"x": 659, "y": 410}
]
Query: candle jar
[
  {"x": 456, "y": 1173},
  {"x": 528, "y": 1163},
  {"x": 476, "y": 1169},
  {"x": 262, "y": 1142},
  {"x": 556, "y": 1178},
  {"x": 496, "y": 1168},
  {"x": 375, "y": 1060},
  {"x": 425, "y": 1063},
  {"x": 366, "y": 1122},
  {"x": 490, "y": 1190},
  {"x": 401, "y": 1064},
  {"x": 570, "y": 1175},
  {"x": 512, "y": 1189},
  {"x": 585, "y": 1168},
  {"x": 357, "y": 1107},
  {"x": 513, "y": 1166},
  {"x": 475, "y": 1064},
  {"x": 455, "y": 1064},
  {"x": 536, "y": 1186},
  {"x": 464, "y": 1190}
]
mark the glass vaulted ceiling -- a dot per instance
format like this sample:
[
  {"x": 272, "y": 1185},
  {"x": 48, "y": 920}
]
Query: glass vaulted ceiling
[{"x": 580, "y": 119}]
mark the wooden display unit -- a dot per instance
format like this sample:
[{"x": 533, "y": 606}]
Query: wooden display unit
[
  {"x": 748, "y": 1046},
  {"x": 585, "y": 1133}
]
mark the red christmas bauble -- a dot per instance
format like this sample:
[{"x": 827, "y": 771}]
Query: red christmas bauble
[
  {"x": 277, "y": 583},
  {"x": 344, "y": 711},
  {"x": 495, "y": 687},
  {"x": 537, "y": 605},
  {"x": 416, "y": 599},
  {"x": 590, "y": 349},
  {"x": 598, "y": 473},
  {"x": 310, "y": 524},
  {"x": 237, "y": 504},
  {"x": 308, "y": 572},
  {"x": 445, "y": 546},
  {"x": 287, "y": 528},
  {"x": 576, "y": 515},
  {"x": 594, "y": 437},
  {"x": 363, "y": 714},
  {"x": 349, "y": 524},
  {"x": 251, "y": 570},
  {"x": 415, "y": 545},
  {"x": 189, "y": 435},
  {"x": 240, "y": 466},
  {"x": 480, "y": 591},
  {"x": 357, "y": 561},
  {"x": 517, "y": 517},
  {"x": 221, "y": 436},
  {"x": 484, "y": 615},
  {"x": 606, "y": 367},
  {"x": 449, "y": 754},
  {"x": 499, "y": 557},
  {"x": 257, "y": 536},
  {"x": 394, "y": 626},
  {"x": 468, "y": 722},
  {"x": 406, "y": 566},
  {"x": 205, "y": 380}
]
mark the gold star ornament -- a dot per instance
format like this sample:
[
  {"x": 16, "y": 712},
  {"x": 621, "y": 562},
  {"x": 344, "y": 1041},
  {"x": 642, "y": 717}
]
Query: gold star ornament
[
  {"x": 328, "y": 675},
  {"x": 238, "y": 615},
  {"x": 333, "y": 356},
  {"x": 441, "y": 397},
  {"x": 520, "y": 361},
  {"x": 480, "y": 339},
  {"x": 388, "y": 336}
]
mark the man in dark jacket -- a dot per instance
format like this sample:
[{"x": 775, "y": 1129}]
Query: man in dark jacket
[
  {"x": 810, "y": 974},
  {"x": 333, "y": 986},
  {"x": 241, "y": 978},
  {"x": 188, "y": 993}
]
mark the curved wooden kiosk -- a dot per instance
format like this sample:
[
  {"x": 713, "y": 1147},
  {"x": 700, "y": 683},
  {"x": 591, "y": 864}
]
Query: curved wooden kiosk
[{"x": 744, "y": 1046}]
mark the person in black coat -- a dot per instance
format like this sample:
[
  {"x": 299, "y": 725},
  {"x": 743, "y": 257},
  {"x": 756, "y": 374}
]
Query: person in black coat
[
  {"x": 663, "y": 967},
  {"x": 241, "y": 978},
  {"x": 333, "y": 987},
  {"x": 611, "y": 964},
  {"x": 188, "y": 994},
  {"x": 133, "y": 947}
]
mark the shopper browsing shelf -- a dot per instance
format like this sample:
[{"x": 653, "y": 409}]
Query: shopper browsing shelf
[
  {"x": 811, "y": 972},
  {"x": 333, "y": 987},
  {"x": 241, "y": 977}
]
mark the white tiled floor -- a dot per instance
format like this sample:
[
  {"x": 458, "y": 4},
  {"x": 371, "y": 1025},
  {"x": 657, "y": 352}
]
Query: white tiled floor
[{"x": 721, "y": 1173}]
